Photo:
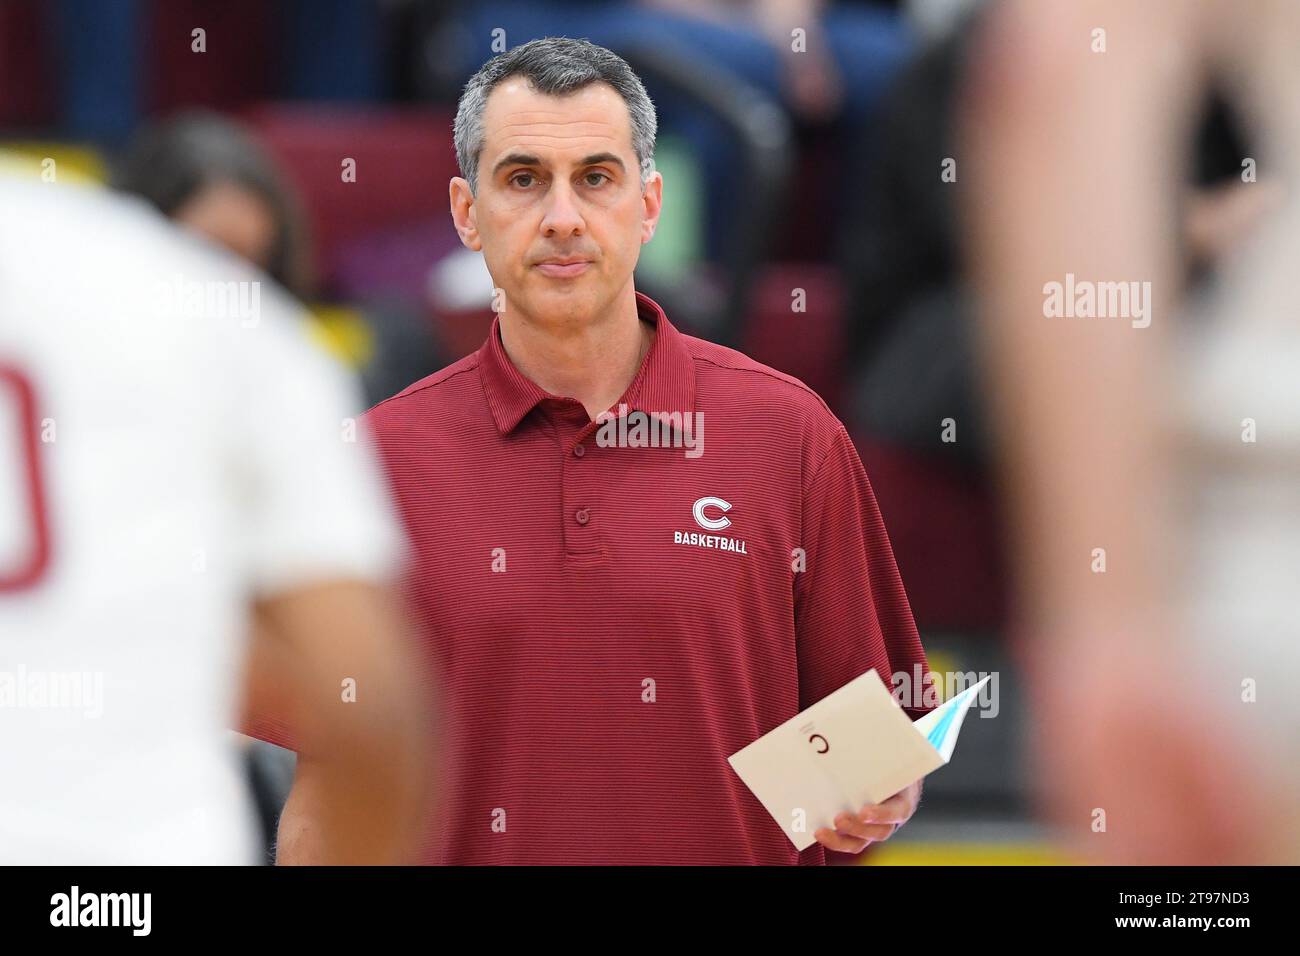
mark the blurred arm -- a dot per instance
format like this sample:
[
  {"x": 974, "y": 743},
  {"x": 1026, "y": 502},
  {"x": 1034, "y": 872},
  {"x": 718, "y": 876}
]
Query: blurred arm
[
  {"x": 363, "y": 788},
  {"x": 1073, "y": 167}
]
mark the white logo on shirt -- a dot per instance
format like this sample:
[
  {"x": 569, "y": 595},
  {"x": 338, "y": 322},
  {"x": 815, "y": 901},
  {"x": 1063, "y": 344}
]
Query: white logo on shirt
[
  {"x": 717, "y": 541},
  {"x": 711, "y": 524}
]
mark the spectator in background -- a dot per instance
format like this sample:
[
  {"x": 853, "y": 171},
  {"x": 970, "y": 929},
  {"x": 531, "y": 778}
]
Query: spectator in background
[
  {"x": 209, "y": 175},
  {"x": 823, "y": 60},
  {"x": 910, "y": 332},
  {"x": 116, "y": 61},
  {"x": 908, "y": 327}
]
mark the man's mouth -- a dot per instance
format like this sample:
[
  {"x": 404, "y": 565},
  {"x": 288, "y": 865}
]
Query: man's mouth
[{"x": 563, "y": 270}]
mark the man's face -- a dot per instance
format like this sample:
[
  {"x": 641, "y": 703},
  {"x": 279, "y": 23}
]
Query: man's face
[{"x": 558, "y": 180}]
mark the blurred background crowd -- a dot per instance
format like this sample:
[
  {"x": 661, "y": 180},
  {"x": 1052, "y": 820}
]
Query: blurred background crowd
[{"x": 806, "y": 222}]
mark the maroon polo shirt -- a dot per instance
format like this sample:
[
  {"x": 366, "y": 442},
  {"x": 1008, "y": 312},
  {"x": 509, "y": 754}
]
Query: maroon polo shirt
[{"x": 612, "y": 621}]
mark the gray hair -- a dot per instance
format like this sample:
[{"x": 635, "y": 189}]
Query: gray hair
[{"x": 554, "y": 66}]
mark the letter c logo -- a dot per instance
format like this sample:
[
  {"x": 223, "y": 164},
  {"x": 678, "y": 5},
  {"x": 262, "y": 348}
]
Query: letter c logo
[
  {"x": 711, "y": 524},
  {"x": 825, "y": 743}
]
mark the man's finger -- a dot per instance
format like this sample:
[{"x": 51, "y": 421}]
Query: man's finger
[
  {"x": 846, "y": 824},
  {"x": 897, "y": 809},
  {"x": 844, "y": 844}
]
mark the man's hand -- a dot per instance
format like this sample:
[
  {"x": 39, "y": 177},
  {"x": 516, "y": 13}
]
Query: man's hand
[{"x": 873, "y": 823}]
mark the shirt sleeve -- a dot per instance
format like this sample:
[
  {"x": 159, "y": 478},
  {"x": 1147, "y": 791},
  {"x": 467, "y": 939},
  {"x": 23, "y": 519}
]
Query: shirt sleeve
[
  {"x": 313, "y": 506},
  {"x": 851, "y": 611},
  {"x": 316, "y": 507}
]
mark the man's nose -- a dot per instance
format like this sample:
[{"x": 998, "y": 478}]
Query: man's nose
[{"x": 562, "y": 217}]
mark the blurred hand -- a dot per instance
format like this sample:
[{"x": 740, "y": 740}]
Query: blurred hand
[{"x": 1122, "y": 728}]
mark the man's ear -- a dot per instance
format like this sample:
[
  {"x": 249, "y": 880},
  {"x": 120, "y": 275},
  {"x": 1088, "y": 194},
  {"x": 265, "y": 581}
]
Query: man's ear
[
  {"x": 463, "y": 213},
  {"x": 652, "y": 201}
]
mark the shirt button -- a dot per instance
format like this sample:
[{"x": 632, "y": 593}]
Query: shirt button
[
  {"x": 583, "y": 516},
  {"x": 579, "y": 450}
]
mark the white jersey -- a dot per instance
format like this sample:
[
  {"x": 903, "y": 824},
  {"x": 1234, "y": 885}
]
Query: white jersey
[{"x": 171, "y": 446}]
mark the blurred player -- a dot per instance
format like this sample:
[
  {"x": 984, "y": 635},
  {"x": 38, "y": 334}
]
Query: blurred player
[
  {"x": 1166, "y": 676},
  {"x": 173, "y": 455}
]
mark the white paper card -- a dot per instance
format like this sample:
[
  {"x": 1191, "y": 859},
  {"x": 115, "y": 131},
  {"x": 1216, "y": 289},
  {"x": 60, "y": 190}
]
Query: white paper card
[{"x": 853, "y": 747}]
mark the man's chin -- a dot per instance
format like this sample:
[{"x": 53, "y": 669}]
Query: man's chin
[
  {"x": 561, "y": 300},
  {"x": 562, "y": 288}
]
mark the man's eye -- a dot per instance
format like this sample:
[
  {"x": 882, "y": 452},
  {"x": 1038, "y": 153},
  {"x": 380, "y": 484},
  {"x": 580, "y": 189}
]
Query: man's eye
[
  {"x": 518, "y": 176},
  {"x": 598, "y": 176}
]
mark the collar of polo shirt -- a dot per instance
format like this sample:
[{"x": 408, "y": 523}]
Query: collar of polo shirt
[{"x": 664, "y": 384}]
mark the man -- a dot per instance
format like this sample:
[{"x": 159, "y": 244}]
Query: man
[
  {"x": 614, "y": 614},
  {"x": 171, "y": 458}
]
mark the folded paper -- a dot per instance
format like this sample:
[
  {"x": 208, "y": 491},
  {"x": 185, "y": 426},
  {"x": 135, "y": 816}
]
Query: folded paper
[{"x": 853, "y": 747}]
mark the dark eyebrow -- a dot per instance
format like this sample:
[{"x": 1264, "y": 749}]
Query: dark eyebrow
[
  {"x": 515, "y": 159},
  {"x": 598, "y": 159},
  {"x": 524, "y": 159}
]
